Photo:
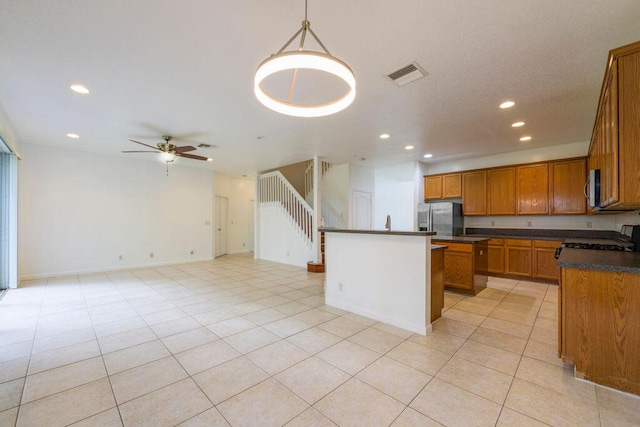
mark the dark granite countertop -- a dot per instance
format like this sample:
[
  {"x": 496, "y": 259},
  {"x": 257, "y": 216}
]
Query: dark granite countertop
[
  {"x": 628, "y": 262},
  {"x": 461, "y": 239},
  {"x": 389, "y": 233},
  {"x": 515, "y": 236},
  {"x": 434, "y": 247}
]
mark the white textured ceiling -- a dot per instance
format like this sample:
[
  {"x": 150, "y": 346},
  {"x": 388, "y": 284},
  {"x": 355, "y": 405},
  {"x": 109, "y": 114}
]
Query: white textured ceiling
[{"x": 186, "y": 68}]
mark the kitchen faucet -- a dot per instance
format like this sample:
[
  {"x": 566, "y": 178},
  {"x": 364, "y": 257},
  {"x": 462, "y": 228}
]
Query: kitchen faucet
[{"x": 387, "y": 225}]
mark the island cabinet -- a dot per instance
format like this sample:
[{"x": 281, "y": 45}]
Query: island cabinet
[
  {"x": 437, "y": 281},
  {"x": 501, "y": 194},
  {"x": 465, "y": 266},
  {"x": 566, "y": 184},
  {"x": 496, "y": 256},
  {"x": 474, "y": 193},
  {"x": 532, "y": 183},
  {"x": 615, "y": 141},
  {"x": 599, "y": 326},
  {"x": 518, "y": 257},
  {"x": 446, "y": 186}
]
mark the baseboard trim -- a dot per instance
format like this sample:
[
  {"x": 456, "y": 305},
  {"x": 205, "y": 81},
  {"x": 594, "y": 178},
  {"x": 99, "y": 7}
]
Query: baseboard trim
[{"x": 108, "y": 269}]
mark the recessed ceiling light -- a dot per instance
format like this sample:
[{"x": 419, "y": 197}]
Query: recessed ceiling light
[
  {"x": 409, "y": 147},
  {"x": 384, "y": 136},
  {"x": 428, "y": 156},
  {"x": 80, "y": 89},
  {"x": 73, "y": 135},
  {"x": 517, "y": 124},
  {"x": 261, "y": 137},
  {"x": 525, "y": 138},
  {"x": 507, "y": 104}
]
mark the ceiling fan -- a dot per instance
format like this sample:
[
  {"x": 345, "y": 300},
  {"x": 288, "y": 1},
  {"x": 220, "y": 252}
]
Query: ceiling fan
[{"x": 168, "y": 151}]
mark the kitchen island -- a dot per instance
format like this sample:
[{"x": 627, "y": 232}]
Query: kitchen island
[{"x": 383, "y": 275}]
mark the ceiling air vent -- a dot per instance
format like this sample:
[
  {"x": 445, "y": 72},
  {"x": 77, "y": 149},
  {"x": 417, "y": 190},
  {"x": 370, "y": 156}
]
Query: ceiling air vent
[
  {"x": 205, "y": 146},
  {"x": 407, "y": 74}
]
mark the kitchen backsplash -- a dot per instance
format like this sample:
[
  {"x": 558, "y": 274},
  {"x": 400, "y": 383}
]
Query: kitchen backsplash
[{"x": 562, "y": 222}]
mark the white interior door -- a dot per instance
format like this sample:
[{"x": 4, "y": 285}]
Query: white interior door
[
  {"x": 361, "y": 202},
  {"x": 221, "y": 213}
]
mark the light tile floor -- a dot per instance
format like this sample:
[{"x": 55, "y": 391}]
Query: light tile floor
[{"x": 250, "y": 343}]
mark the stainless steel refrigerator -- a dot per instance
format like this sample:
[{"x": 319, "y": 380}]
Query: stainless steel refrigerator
[{"x": 445, "y": 218}]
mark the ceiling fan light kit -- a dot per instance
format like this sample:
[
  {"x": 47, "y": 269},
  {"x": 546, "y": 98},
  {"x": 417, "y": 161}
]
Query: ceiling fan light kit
[
  {"x": 304, "y": 59},
  {"x": 169, "y": 152}
]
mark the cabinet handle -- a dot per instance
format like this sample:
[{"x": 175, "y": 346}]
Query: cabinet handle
[{"x": 584, "y": 190}]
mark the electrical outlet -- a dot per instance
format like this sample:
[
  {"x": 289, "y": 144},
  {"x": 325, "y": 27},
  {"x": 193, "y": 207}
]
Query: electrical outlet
[
  {"x": 287, "y": 253},
  {"x": 529, "y": 224},
  {"x": 207, "y": 223},
  {"x": 151, "y": 255},
  {"x": 493, "y": 223},
  {"x": 589, "y": 224},
  {"x": 340, "y": 287},
  {"x": 243, "y": 245},
  {"x": 120, "y": 257}
]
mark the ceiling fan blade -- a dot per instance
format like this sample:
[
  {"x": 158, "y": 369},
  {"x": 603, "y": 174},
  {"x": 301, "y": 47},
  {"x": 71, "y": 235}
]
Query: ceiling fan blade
[
  {"x": 192, "y": 156},
  {"x": 184, "y": 149},
  {"x": 154, "y": 152},
  {"x": 142, "y": 143}
]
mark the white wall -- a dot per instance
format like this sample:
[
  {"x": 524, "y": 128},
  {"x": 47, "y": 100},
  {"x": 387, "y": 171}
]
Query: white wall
[
  {"x": 335, "y": 196},
  {"x": 395, "y": 196},
  {"x": 280, "y": 240},
  {"x": 8, "y": 134},
  {"x": 79, "y": 211},
  {"x": 565, "y": 151},
  {"x": 240, "y": 192}
]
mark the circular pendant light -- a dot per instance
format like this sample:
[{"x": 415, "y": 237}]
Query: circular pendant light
[{"x": 304, "y": 59}]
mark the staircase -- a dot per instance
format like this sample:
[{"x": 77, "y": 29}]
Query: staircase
[{"x": 275, "y": 191}]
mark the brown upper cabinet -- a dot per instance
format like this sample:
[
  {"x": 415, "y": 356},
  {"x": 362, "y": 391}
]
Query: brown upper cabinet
[
  {"x": 533, "y": 189},
  {"x": 433, "y": 187},
  {"x": 474, "y": 193},
  {"x": 615, "y": 141},
  {"x": 501, "y": 196},
  {"x": 555, "y": 187},
  {"x": 566, "y": 185},
  {"x": 447, "y": 186}
]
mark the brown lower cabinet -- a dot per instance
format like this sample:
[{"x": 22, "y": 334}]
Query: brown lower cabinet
[
  {"x": 517, "y": 257},
  {"x": 599, "y": 326},
  {"x": 524, "y": 258},
  {"x": 437, "y": 282},
  {"x": 465, "y": 266}
]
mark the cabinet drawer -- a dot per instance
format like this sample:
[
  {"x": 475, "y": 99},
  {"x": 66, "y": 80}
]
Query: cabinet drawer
[
  {"x": 496, "y": 242},
  {"x": 517, "y": 242},
  {"x": 456, "y": 247},
  {"x": 547, "y": 243}
]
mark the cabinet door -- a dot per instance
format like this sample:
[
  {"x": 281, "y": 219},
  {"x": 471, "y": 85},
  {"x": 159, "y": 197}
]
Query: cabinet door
[
  {"x": 496, "y": 259},
  {"x": 518, "y": 260},
  {"x": 502, "y": 191},
  {"x": 609, "y": 136},
  {"x": 458, "y": 270},
  {"x": 566, "y": 186},
  {"x": 474, "y": 193},
  {"x": 533, "y": 189},
  {"x": 452, "y": 186},
  {"x": 433, "y": 187},
  {"x": 629, "y": 127},
  {"x": 545, "y": 266}
]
